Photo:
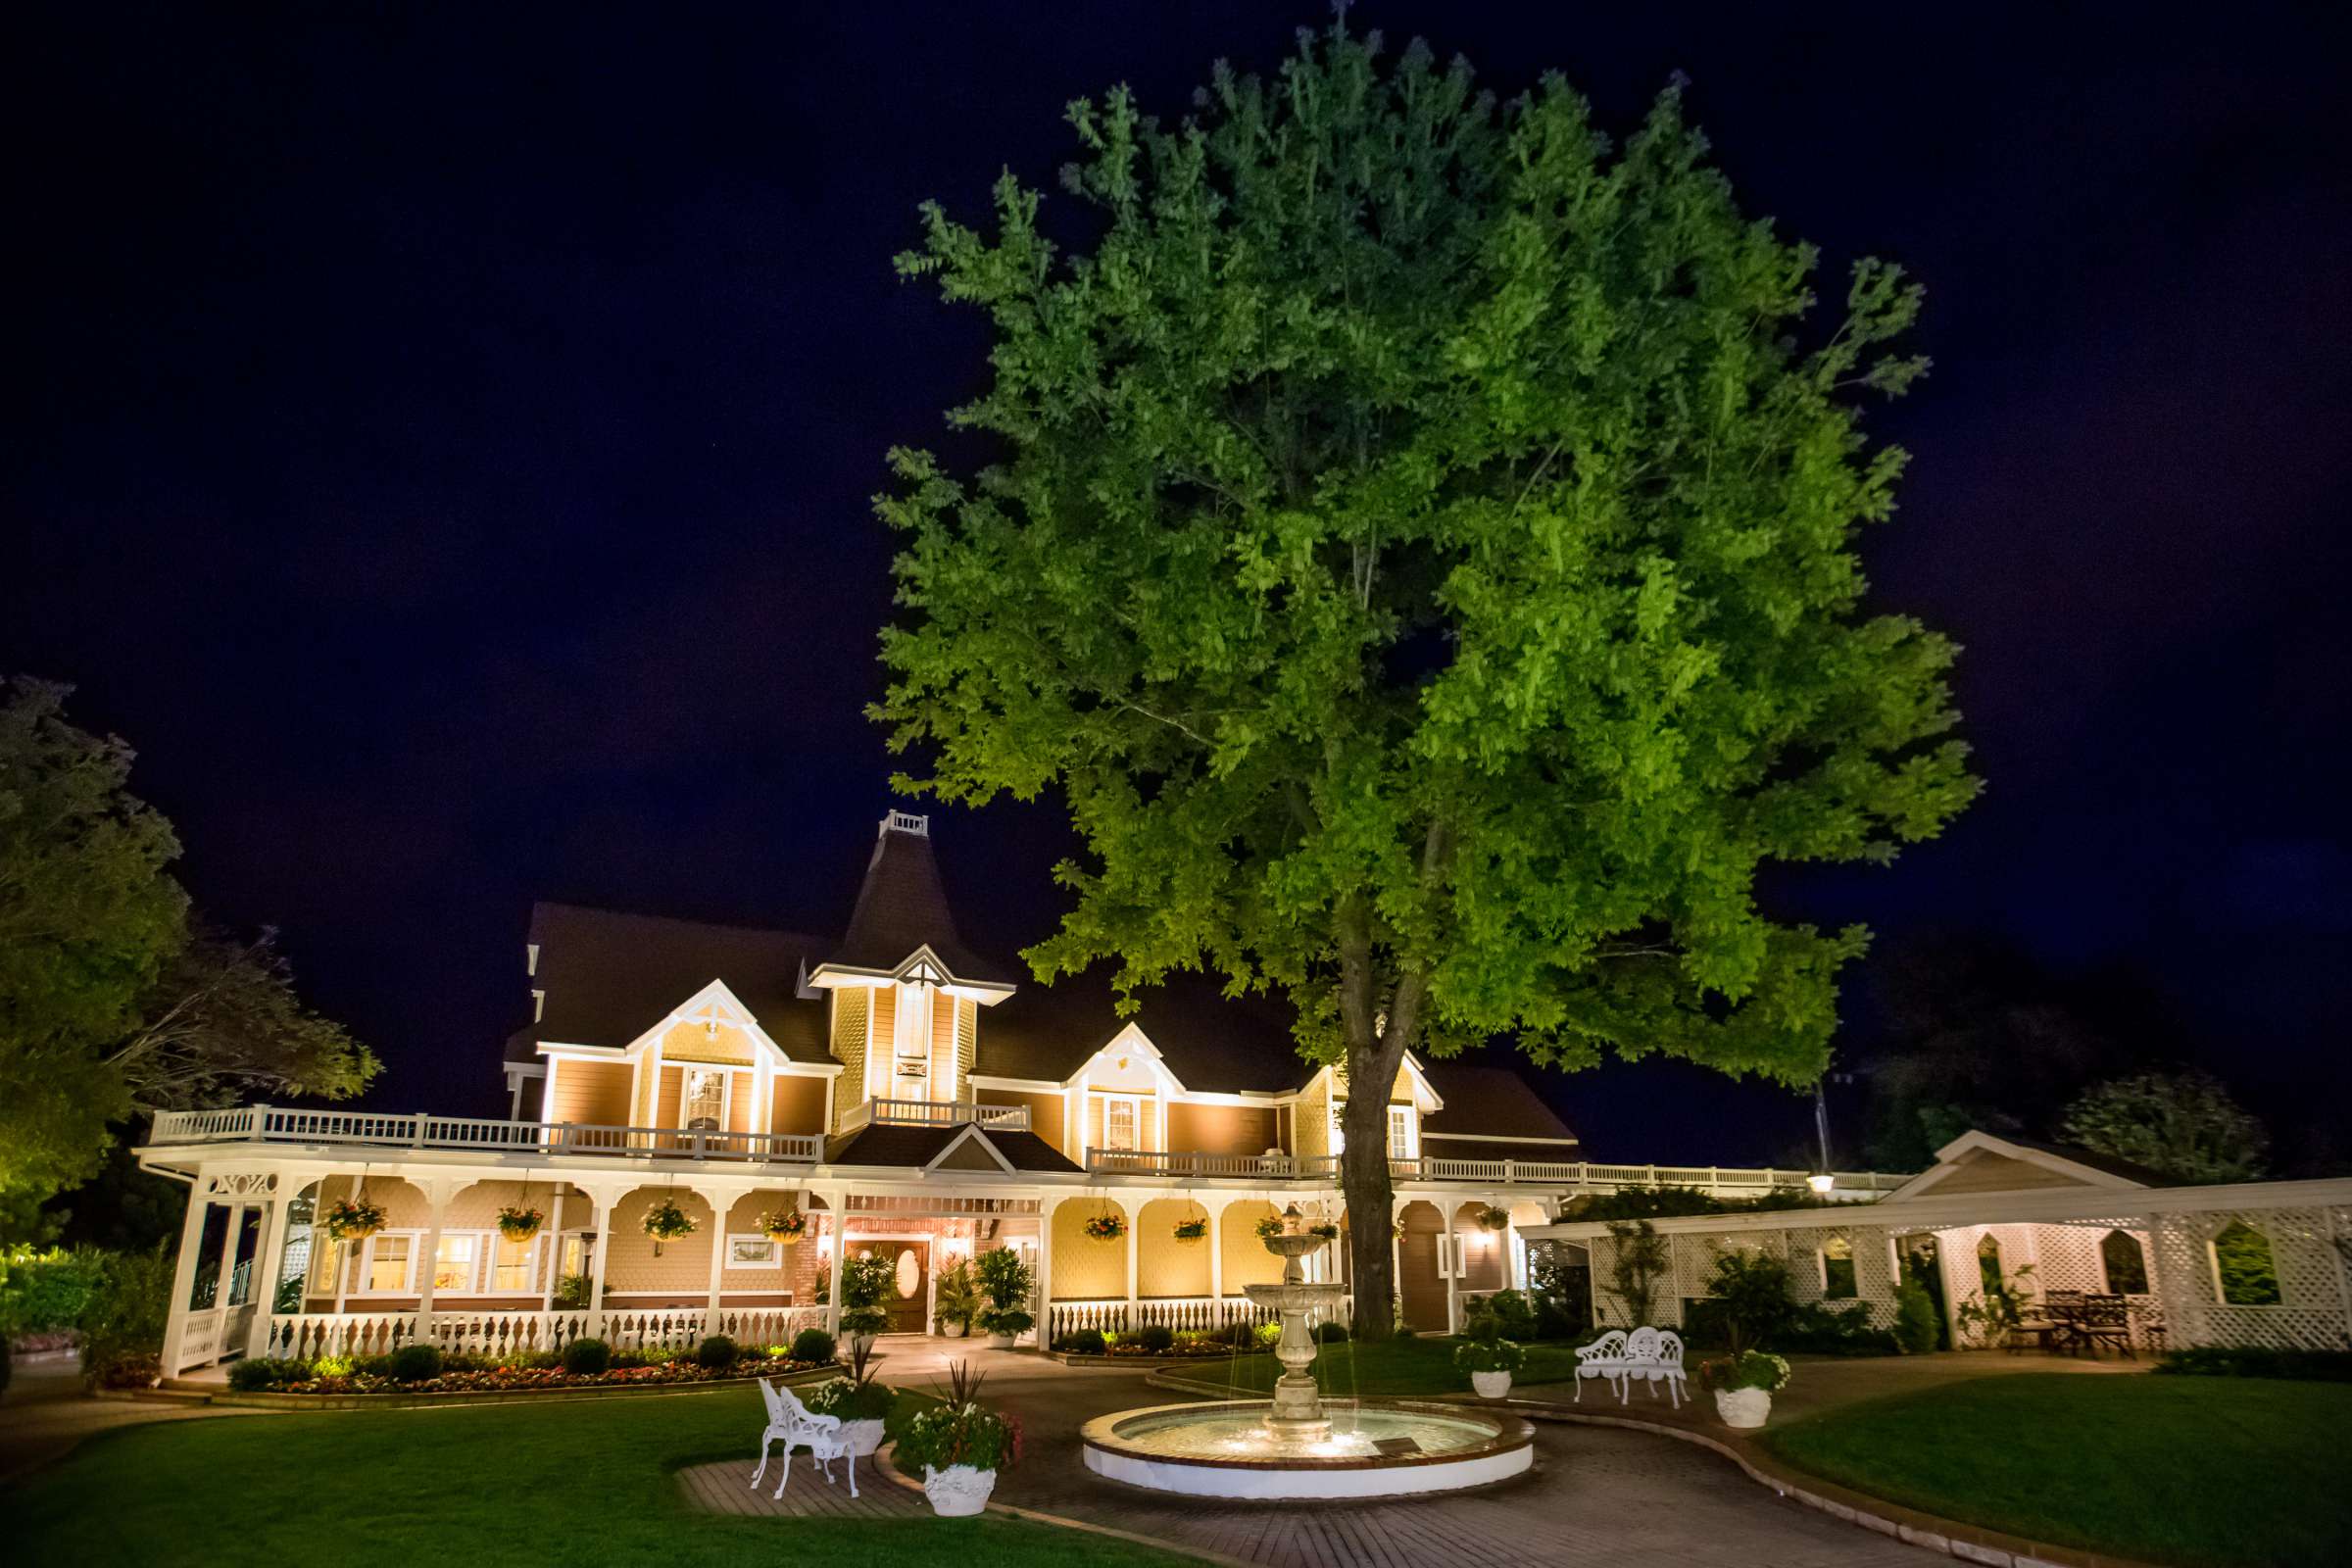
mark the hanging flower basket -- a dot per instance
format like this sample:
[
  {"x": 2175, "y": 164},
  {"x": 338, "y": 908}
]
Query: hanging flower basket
[
  {"x": 354, "y": 1219},
  {"x": 666, "y": 1221},
  {"x": 1398, "y": 1230},
  {"x": 1106, "y": 1227},
  {"x": 1329, "y": 1233},
  {"x": 519, "y": 1223},
  {"x": 1494, "y": 1219},
  {"x": 1192, "y": 1230},
  {"x": 785, "y": 1228},
  {"x": 1269, "y": 1227}
]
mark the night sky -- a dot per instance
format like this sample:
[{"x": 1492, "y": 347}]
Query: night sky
[{"x": 443, "y": 444}]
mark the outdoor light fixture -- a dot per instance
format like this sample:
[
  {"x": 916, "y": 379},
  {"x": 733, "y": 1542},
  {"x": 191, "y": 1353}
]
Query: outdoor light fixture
[{"x": 1821, "y": 1182}]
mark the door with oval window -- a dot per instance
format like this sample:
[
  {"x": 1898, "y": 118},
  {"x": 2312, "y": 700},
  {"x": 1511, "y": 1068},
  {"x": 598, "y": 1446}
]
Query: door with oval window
[{"x": 908, "y": 1300}]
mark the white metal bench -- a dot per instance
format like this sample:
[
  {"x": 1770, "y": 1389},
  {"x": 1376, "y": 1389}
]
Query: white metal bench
[
  {"x": 794, "y": 1425},
  {"x": 1646, "y": 1355}
]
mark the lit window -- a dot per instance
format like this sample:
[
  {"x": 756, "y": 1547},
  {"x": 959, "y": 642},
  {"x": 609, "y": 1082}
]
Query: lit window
[
  {"x": 388, "y": 1262},
  {"x": 910, "y": 1041},
  {"x": 705, "y": 1103},
  {"x": 512, "y": 1269},
  {"x": 1837, "y": 1282},
  {"x": 1118, "y": 1124},
  {"x": 1401, "y": 1132},
  {"x": 454, "y": 1262},
  {"x": 2126, "y": 1264}
]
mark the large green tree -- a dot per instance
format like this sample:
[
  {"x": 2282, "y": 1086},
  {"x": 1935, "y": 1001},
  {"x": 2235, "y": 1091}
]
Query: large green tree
[
  {"x": 2182, "y": 1124},
  {"x": 112, "y": 1001},
  {"x": 1421, "y": 549}
]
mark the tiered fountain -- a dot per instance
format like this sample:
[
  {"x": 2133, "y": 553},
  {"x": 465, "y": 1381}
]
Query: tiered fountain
[{"x": 1301, "y": 1445}]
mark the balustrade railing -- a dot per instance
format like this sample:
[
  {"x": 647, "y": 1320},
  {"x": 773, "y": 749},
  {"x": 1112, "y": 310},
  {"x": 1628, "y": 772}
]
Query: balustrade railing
[
  {"x": 1490, "y": 1172},
  {"x": 273, "y": 1124},
  {"x": 948, "y": 1113},
  {"x": 306, "y": 1336},
  {"x": 1181, "y": 1313}
]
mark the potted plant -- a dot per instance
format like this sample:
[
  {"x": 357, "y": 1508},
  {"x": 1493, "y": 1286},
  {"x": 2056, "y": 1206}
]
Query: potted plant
[
  {"x": 1106, "y": 1227},
  {"x": 866, "y": 1281},
  {"x": 958, "y": 1447},
  {"x": 1324, "y": 1229},
  {"x": 1188, "y": 1231},
  {"x": 785, "y": 1227},
  {"x": 1743, "y": 1384},
  {"x": 666, "y": 1221},
  {"x": 958, "y": 1299},
  {"x": 519, "y": 1223},
  {"x": 1491, "y": 1218},
  {"x": 354, "y": 1218},
  {"x": 1269, "y": 1227},
  {"x": 1007, "y": 1280},
  {"x": 1489, "y": 1360},
  {"x": 859, "y": 1400}
]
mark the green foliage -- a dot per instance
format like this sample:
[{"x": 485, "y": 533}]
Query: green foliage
[
  {"x": 415, "y": 1363},
  {"x": 2180, "y": 1124},
  {"x": 1990, "y": 1312},
  {"x": 1743, "y": 1369},
  {"x": 1752, "y": 1290},
  {"x": 263, "y": 1374},
  {"x": 1423, "y": 554},
  {"x": 122, "y": 1326},
  {"x": 1331, "y": 1331},
  {"x": 587, "y": 1356},
  {"x": 1007, "y": 1280},
  {"x": 852, "y": 1399},
  {"x": 1489, "y": 1353},
  {"x": 866, "y": 1280},
  {"x": 959, "y": 1433},
  {"x": 47, "y": 1292},
  {"x": 1637, "y": 1257},
  {"x": 958, "y": 1299},
  {"x": 717, "y": 1352},
  {"x": 1156, "y": 1338},
  {"x": 572, "y": 1293},
  {"x": 2248, "y": 1267},
  {"x": 1082, "y": 1342},
  {"x": 814, "y": 1345},
  {"x": 1915, "y": 1325},
  {"x": 2259, "y": 1361}
]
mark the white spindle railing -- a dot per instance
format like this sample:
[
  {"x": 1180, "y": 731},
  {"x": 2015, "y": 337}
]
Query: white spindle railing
[
  {"x": 1490, "y": 1172},
  {"x": 373, "y": 1129},
  {"x": 664, "y": 1328},
  {"x": 950, "y": 1113},
  {"x": 1181, "y": 1313},
  {"x": 307, "y": 1336},
  {"x": 472, "y": 1333},
  {"x": 760, "y": 1328}
]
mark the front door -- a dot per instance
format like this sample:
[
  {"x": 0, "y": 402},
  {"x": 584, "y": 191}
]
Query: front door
[{"x": 908, "y": 1300}]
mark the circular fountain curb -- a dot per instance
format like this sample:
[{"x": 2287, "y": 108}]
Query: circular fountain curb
[{"x": 1510, "y": 1452}]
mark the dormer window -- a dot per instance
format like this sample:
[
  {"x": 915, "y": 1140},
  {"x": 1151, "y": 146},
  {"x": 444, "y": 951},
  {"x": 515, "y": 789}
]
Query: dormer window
[
  {"x": 703, "y": 1101},
  {"x": 910, "y": 1042},
  {"x": 1119, "y": 1120}
]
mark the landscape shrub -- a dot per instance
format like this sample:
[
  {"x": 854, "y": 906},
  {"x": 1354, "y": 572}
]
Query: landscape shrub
[
  {"x": 260, "y": 1374},
  {"x": 1752, "y": 1296},
  {"x": 716, "y": 1353},
  {"x": 1512, "y": 1312},
  {"x": 814, "y": 1345},
  {"x": 122, "y": 1322},
  {"x": 1914, "y": 1319},
  {"x": 415, "y": 1363},
  {"x": 1332, "y": 1332},
  {"x": 2257, "y": 1361},
  {"x": 1156, "y": 1338},
  {"x": 1083, "y": 1342},
  {"x": 47, "y": 1292},
  {"x": 1820, "y": 1330},
  {"x": 586, "y": 1357},
  {"x": 1266, "y": 1336}
]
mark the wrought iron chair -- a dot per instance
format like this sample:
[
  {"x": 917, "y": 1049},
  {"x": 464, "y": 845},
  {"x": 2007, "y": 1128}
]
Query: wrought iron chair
[{"x": 794, "y": 1425}]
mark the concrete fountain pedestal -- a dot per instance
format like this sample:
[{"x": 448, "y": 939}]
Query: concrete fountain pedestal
[{"x": 1299, "y": 1446}]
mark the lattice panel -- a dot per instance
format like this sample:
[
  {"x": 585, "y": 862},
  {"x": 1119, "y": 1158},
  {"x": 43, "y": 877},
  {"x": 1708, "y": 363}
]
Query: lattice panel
[{"x": 2311, "y": 1312}]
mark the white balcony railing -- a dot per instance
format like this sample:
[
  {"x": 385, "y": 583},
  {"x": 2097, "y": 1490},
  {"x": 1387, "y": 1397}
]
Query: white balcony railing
[
  {"x": 1490, "y": 1172},
  {"x": 940, "y": 1114},
  {"x": 273, "y": 1124}
]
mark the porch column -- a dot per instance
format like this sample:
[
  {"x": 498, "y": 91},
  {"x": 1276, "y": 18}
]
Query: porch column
[
  {"x": 722, "y": 1199},
  {"x": 837, "y": 1214},
  {"x": 1045, "y": 1270},
  {"x": 1133, "y": 1284},
  {"x": 269, "y": 1263},
  {"x": 436, "y": 1197},
  {"x": 183, "y": 1273},
  {"x": 232, "y": 1234},
  {"x": 1396, "y": 1262},
  {"x": 606, "y": 1196},
  {"x": 1216, "y": 1261},
  {"x": 554, "y": 1249},
  {"x": 1453, "y": 1267}
]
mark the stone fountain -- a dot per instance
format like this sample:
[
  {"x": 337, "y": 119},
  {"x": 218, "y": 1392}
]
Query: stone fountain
[{"x": 1301, "y": 1445}]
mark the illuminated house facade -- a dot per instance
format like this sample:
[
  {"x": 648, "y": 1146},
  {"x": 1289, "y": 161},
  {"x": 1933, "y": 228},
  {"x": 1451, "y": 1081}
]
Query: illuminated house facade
[{"x": 899, "y": 1092}]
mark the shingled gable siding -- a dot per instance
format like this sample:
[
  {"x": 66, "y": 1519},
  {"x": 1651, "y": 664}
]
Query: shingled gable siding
[
  {"x": 798, "y": 1104},
  {"x": 1222, "y": 1129},
  {"x": 881, "y": 1038},
  {"x": 945, "y": 1082},
  {"x": 849, "y": 1006},
  {"x": 690, "y": 1042},
  {"x": 591, "y": 1092},
  {"x": 1246, "y": 1260},
  {"x": 1165, "y": 1266},
  {"x": 1313, "y": 1121}
]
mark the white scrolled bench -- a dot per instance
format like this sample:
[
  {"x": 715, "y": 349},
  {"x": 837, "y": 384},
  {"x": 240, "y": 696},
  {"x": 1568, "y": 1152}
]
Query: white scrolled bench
[{"x": 1646, "y": 1355}]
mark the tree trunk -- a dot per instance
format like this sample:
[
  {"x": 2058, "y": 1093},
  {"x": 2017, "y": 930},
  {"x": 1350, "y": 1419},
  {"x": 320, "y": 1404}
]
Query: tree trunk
[{"x": 1365, "y": 1183}]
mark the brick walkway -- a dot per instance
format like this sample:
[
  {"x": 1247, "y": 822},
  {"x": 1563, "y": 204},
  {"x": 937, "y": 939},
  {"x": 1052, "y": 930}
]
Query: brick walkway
[{"x": 1597, "y": 1496}]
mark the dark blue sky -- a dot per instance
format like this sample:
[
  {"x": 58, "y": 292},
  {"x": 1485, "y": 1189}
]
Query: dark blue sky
[{"x": 444, "y": 439}]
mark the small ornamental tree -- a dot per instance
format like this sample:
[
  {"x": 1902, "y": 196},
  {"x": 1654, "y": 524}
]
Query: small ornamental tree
[
  {"x": 2181, "y": 1124},
  {"x": 1422, "y": 553}
]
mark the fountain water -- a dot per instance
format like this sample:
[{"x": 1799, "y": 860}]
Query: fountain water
[{"x": 1298, "y": 1445}]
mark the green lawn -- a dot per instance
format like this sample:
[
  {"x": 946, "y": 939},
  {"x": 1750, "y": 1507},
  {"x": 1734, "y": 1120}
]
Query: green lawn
[
  {"x": 585, "y": 1483},
  {"x": 1394, "y": 1367},
  {"x": 2199, "y": 1471}
]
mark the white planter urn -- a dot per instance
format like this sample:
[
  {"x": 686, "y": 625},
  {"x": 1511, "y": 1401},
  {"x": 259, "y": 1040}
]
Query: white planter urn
[
  {"x": 1491, "y": 1384},
  {"x": 863, "y": 1437},
  {"x": 999, "y": 1341},
  {"x": 958, "y": 1492},
  {"x": 861, "y": 1342},
  {"x": 1743, "y": 1407},
  {"x": 952, "y": 1329}
]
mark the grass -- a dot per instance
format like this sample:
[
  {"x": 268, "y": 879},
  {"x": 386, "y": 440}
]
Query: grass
[
  {"x": 2196, "y": 1471},
  {"x": 1392, "y": 1367},
  {"x": 588, "y": 1484}
]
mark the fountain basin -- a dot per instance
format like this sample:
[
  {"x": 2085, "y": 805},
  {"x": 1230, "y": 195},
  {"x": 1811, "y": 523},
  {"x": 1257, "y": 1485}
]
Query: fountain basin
[{"x": 1385, "y": 1449}]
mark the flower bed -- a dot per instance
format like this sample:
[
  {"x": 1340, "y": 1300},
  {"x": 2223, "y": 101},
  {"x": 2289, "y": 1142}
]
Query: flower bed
[{"x": 372, "y": 1376}]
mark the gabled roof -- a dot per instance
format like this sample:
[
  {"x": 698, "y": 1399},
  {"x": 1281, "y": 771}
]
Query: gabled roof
[
  {"x": 1209, "y": 1042},
  {"x": 1489, "y": 1103},
  {"x": 897, "y": 1145},
  {"x": 1978, "y": 1162},
  {"x": 608, "y": 977},
  {"x": 903, "y": 906}
]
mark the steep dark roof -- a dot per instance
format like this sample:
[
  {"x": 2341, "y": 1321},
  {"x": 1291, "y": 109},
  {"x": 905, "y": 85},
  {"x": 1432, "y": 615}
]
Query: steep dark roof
[
  {"x": 920, "y": 1146},
  {"x": 1489, "y": 1103},
  {"x": 901, "y": 906},
  {"x": 609, "y": 977},
  {"x": 1209, "y": 1041}
]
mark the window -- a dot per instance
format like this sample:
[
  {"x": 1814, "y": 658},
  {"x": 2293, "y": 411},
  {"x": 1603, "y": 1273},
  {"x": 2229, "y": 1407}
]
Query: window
[
  {"x": 1119, "y": 1117},
  {"x": 1401, "y": 1132},
  {"x": 1988, "y": 1264},
  {"x": 703, "y": 1105},
  {"x": 455, "y": 1260},
  {"x": 754, "y": 1250},
  {"x": 2126, "y": 1264},
  {"x": 515, "y": 1266},
  {"x": 910, "y": 1042},
  {"x": 573, "y": 1256},
  {"x": 388, "y": 1256},
  {"x": 2243, "y": 1266},
  {"x": 1838, "y": 1282}
]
